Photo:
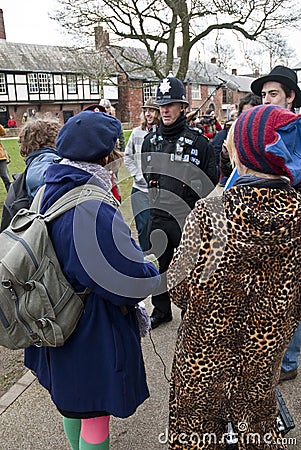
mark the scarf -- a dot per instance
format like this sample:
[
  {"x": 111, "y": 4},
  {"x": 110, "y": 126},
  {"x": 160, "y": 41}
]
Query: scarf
[
  {"x": 97, "y": 171},
  {"x": 174, "y": 129}
]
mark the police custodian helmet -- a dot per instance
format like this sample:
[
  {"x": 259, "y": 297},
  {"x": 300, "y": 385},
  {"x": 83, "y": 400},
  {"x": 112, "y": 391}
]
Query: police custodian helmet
[{"x": 170, "y": 90}]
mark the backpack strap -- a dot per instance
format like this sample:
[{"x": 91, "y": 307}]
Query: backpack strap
[{"x": 71, "y": 199}]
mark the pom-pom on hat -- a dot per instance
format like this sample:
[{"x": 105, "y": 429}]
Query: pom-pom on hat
[
  {"x": 88, "y": 136},
  {"x": 268, "y": 140}
]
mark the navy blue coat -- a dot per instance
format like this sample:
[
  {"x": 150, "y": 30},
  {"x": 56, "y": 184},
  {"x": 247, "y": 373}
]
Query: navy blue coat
[{"x": 100, "y": 368}]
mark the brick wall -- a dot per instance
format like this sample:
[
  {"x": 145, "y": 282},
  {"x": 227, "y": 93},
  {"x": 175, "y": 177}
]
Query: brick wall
[
  {"x": 46, "y": 110},
  {"x": 129, "y": 101}
]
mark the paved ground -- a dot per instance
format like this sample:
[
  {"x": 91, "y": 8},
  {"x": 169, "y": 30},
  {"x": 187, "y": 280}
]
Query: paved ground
[{"x": 31, "y": 422}]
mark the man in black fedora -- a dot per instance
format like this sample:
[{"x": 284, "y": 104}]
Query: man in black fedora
[{"x": 279, "y": 87}]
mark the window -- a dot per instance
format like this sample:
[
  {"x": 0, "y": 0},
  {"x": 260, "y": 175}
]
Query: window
[
  {"x": 40, "y": 82},
  {"x": 94, "y": 87},
  {"x": 196, "y": 91},
  {"x": 225, "y": 96},
  {"x": 149, "y": 91},
  {"x": 2, "y": 84},
  {"x": 45, "y": 83},
  {"x": 33, "y": 83},
  {"x": 211, "y": 90},
  {"x": 71, "y": 84}
]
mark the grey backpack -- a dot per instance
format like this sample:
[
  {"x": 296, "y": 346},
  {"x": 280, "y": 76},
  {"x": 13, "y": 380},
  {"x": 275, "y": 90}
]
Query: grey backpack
[{"x": 38, "y": 306}]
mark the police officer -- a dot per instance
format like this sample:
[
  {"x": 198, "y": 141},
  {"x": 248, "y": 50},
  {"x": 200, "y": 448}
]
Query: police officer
[{"x": 178, "y": 165}]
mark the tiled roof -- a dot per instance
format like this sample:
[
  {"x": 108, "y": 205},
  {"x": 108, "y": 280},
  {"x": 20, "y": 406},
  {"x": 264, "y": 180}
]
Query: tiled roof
[
  {"x": 31, "y": 57},
  {"x": 212, "y": 74}
]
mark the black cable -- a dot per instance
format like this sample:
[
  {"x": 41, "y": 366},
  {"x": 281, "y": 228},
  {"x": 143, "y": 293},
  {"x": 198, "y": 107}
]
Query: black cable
[{"x": 160, "y": 357}]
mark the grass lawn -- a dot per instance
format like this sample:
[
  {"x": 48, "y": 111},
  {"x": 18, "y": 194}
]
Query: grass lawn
[{"x": 17, "y": 166}]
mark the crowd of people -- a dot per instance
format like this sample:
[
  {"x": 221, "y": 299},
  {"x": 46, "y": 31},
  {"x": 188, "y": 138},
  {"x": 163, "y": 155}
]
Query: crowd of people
[{"x": 230, "y": 262}]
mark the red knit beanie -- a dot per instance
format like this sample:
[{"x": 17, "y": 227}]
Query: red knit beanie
[{"x": 262, "y": 146}]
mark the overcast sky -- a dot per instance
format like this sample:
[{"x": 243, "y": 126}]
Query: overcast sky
[{"x": 27, "y": 21}]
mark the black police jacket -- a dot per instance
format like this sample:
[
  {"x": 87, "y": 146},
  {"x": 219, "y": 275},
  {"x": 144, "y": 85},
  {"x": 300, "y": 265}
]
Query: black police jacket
[{"x": 178, "y": 169}]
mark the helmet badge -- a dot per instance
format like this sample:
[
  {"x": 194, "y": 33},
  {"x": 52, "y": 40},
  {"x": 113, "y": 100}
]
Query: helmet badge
[{"x": 165, "y": 86}]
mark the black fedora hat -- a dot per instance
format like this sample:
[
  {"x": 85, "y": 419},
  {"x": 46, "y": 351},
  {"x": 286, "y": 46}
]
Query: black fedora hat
[{"x": 283, "y": 75}]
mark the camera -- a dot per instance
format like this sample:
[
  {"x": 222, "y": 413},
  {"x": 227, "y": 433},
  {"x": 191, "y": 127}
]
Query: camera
[{"x": 206, "y": 119}]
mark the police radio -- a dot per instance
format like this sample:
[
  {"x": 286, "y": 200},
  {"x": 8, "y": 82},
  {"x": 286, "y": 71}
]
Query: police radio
[{"x": 179, "y": 152}]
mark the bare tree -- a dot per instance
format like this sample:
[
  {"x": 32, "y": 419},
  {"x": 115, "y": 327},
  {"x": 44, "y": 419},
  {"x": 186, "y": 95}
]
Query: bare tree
[
  {"x": 158, "y": 25},
  {"x": 270, "y": 49},
  {"x": 224, "y": 51},
  {"x": 278, "y": 49}
]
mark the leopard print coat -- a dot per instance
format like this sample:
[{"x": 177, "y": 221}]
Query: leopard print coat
[{"x": 237, "y": 275}]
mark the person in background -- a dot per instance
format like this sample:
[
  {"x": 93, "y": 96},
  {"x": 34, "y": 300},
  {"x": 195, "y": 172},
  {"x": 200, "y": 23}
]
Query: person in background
[
  {"x": 24, "y": 118},
  {"x": 237, "y": 274},
  {"x": 209, "y": 124},
  {"x": 178, "y": 165},
  {"x": 33, "y": 114},
  {"x": 150, "y": 118},
  {"x": 115, "y": 161},
  {"x": 108, "y": 109},
  {"x": 106, "y": 104},
  {"x": 4, "y": 159},
  {"x": 11, "y": 123},
  {"x": 100, "y": 370},
  {"x": 280, "y": 87},
  {"x": 233, "y": 109},
  {"x": 37, "y": 146},
  {"x": 246, "y": 102}
]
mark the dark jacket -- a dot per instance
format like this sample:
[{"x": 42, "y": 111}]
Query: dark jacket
[
  {"x": 179, "y": 168},
  {"x": 100, "y": 368}
]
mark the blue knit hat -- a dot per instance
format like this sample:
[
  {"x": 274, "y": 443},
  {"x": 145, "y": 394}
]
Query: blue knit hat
[
  {"x": 88, "y": 136},
  {"x": 268, "y": 140}
]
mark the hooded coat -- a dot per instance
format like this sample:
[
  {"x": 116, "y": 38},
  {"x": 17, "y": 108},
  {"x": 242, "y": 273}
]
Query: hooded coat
[
  {"x": 237, "y": 275},
  {"x": 100, "y": 368}
]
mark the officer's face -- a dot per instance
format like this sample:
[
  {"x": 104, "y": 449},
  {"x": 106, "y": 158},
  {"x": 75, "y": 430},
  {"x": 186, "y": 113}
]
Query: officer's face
[{"x": 171, "y": 112}]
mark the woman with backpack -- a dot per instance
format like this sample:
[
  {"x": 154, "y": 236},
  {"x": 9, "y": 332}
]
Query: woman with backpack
[
  {"x": 99, "y": 371},
  {"x": 37, "y": 147}
]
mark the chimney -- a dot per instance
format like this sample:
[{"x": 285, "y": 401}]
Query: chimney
[
  {"x": 213, "y": 60},
  {"x": 102, "y": 39},
  {"x": 179, "y": 52},
  {"x": 2, "y": 27},
  {"x": 234, "y": 71}
]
